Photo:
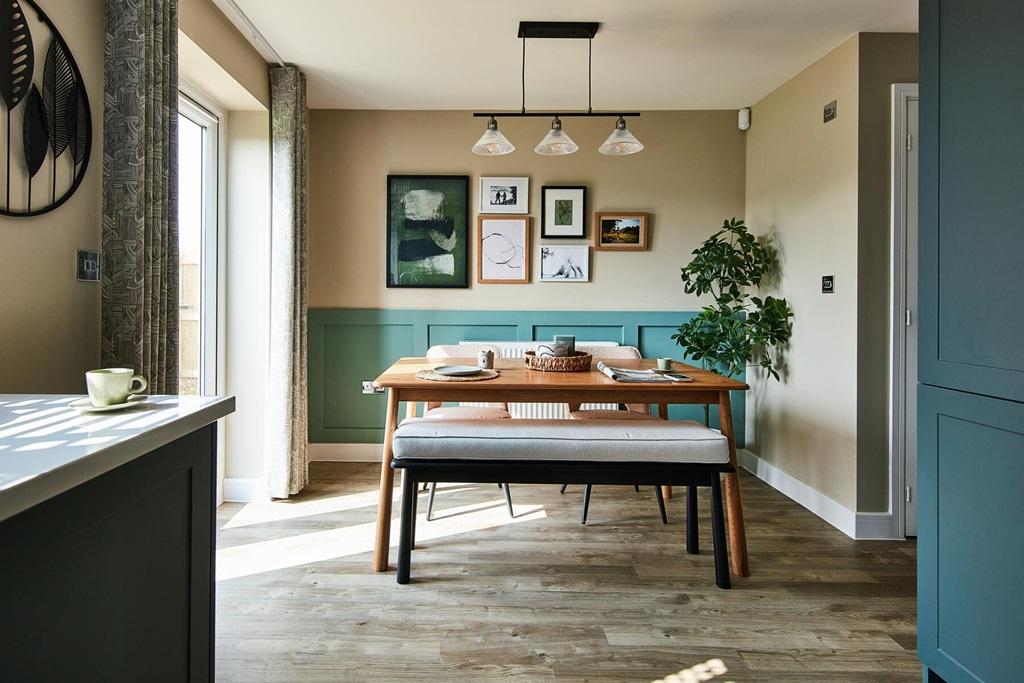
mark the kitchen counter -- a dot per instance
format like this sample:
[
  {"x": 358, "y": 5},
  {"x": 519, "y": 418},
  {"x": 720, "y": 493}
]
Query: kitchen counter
[{"x": 47, "y": 448}]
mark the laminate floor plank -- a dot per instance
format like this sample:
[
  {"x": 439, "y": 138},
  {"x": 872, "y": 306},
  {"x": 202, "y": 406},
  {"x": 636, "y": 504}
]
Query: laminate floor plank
[{"x": 540, "y": 597}]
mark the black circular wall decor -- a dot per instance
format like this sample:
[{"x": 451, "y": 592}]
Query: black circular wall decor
[{"x": 46, "y": 125}]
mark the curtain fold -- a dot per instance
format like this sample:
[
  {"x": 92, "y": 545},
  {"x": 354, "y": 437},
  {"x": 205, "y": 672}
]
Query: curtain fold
[
  {"x": 287, "y": 444},
  {"x": 140, "y": 187}
]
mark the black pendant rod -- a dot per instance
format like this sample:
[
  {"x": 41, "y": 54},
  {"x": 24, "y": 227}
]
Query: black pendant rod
[{"x": 561, "y": 114}]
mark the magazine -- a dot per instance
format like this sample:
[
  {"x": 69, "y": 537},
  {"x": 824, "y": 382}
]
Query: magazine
[{"x": 651, "y": 376}]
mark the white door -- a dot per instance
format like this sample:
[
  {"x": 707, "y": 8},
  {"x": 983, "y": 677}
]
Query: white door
[{"x": 910, "y": 406}]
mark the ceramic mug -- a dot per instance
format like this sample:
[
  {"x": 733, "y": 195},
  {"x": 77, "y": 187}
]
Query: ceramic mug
[
  {"x": 485, "y": 359},
  {"x": 553, "y": 350},
  {"x": 664, "y": 363},
  {"x": 568, "y": 341},
  {"x": 112, "y": 386}
]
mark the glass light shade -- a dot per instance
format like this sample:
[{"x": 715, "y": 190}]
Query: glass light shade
[
  {"x": 621, "y": 142},
  {"x": 556, "y": 142},
  {"x": 492, "y": 142}
]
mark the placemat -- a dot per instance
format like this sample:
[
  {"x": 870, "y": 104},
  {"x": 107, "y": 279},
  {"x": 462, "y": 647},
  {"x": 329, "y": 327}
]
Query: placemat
[{"x": 435, "y": 377}]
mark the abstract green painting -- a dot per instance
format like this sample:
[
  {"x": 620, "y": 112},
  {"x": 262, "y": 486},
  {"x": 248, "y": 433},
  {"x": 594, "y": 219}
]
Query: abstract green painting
[{"x": 428, "y": 231}]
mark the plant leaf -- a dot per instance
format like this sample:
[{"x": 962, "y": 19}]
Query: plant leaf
[
  {"x": 83, "y": 136},
  {"x": 17, "y": 60},
  {"x": 60, "y": 96},
  {"x": 35, "y": 139}
]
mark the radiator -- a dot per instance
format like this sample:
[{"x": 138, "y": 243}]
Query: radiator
[{"x": 540, "y": 411}]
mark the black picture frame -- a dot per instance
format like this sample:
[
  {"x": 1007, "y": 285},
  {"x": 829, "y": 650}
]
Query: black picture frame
[
  {"x": 462, "y": 260},
  {"x": 544, "y": 228}
]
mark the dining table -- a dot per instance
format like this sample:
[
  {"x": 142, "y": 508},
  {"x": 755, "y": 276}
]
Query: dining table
[{"x": 516, "y": 383}]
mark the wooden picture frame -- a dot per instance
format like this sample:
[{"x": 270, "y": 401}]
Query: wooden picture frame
[
  {"x": 429, "y": 250},
  {"x": 620, "y": 231},
  {"x": 503, "y": 250},
  {"x": 553, "y": 227}
]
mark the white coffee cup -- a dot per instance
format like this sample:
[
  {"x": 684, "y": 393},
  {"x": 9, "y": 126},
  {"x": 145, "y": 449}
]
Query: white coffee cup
[{"x": 112, "y": 386}]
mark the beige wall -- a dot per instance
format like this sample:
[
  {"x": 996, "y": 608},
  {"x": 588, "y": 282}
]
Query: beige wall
[
  {"x": 206, "y": 25},
  {"x": 49, "y": 322},
  {"x": 689, "y": 178},
  {"x": 885, "y": 58},
  {"x": 802, "y": 185},
  {"x": 824, "y": 190}
]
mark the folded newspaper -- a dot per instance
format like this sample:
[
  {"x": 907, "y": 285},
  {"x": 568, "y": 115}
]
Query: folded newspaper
[{"x": 628, "y": 375}]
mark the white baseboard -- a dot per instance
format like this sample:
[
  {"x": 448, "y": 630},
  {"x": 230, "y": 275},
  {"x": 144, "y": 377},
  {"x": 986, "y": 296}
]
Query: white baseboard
[
  {"x": 836, "y": 514},
  {"x": 878, "y": 526},
  {"x": 345, "y": 452},
  {"x": 245, "y": 490}
]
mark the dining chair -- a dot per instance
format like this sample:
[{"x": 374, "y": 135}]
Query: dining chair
[
  {"x": 631, "y": 411},
  {"x": 483, "y": 411}
]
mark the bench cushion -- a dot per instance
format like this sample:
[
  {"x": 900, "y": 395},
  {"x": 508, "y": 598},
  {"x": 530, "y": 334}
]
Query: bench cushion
[{"x": 561, "y": 440}]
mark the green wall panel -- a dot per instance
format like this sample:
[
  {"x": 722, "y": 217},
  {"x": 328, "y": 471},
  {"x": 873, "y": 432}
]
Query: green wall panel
[{"x": 347, "y": 346}]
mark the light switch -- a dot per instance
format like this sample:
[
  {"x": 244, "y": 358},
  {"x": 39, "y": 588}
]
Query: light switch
[{"x": 828, "y": 284}]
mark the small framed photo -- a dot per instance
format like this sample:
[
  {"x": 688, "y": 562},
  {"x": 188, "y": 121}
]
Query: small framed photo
[
  {"x": 620, "y": 231},
  {"x": 504, "y": 195},
  {"x": 565, "y": 264},
  {"x": 503, "y": 250},
  {"x": 563, "y": 211}
]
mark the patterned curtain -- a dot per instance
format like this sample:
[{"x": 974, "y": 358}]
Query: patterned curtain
[
  {"x": 287, "y": 442},
  {"x": 140, "y": 187}
]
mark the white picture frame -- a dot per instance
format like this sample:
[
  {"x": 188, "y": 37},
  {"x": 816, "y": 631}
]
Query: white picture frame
[
  {"x": 564, "y": 264},
  {"x": 504, "y": 195}
]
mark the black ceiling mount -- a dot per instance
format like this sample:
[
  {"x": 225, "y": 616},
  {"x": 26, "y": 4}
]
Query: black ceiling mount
[{"x": 558, "y": 29}]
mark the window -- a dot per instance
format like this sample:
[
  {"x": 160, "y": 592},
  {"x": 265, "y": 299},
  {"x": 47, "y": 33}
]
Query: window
[{"x": 197, "y": 247}]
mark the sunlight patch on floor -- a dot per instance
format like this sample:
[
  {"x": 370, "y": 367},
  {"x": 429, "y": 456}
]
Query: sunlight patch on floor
[
  {"x": 706, "y": 671},
  {"x": 318, "y": 546}
]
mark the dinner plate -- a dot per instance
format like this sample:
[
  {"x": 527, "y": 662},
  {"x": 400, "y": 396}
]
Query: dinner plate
[
  {"x": 457, "y": 370},
  {"x": 86, "y": 406}
]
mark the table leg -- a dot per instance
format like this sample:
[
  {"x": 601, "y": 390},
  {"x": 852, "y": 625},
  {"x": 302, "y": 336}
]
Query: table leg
[
  {"x": 387, "y": 483},
  {"x": 410, "y": 409},
  {"x": 737, "y": 532},
  {"x": 666, "y": 491}
]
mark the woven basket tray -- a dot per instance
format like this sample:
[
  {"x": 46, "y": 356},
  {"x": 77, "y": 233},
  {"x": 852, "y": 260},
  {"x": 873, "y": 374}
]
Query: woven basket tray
[{"x": 578, "y": 362}]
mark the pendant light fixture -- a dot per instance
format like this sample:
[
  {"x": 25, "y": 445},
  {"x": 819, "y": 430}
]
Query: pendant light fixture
[
  {"x": 557, "y": 142},
  {"x": 621, "y": 142},
  {"x": 492, "y": 142}
]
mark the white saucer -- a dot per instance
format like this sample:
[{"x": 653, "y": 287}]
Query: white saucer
[
  {"x": 457, "y": 370},
  {"x": 85, "y": 405}
]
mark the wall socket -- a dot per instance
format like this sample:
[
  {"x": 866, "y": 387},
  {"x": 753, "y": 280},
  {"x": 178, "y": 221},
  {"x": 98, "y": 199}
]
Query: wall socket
[{"x": 368, "y": 387}]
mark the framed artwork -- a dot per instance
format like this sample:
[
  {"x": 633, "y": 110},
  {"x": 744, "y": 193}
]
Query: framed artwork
[
  {"x": 503, "y": 250},
  {"x": 504, "y": 195},
  {"x": 563, "y": 211},
  {"x": 565, "y": 264},
  {"x": 428, "y": 231},
  {"x": 620, "y": 231}
]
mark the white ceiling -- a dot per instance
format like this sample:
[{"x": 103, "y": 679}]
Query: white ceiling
[{"x": 648, "y": 54}]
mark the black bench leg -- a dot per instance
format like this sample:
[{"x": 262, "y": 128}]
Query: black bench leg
[
  {"x": 508, "y": 498},
  {"x": 661, "y": 504},
  {"x": 430, "y": 500},
  {"x": 405, "y": 538},
  {"x": 722, "y": 578},
  {"x": 562, "y": 490},
  {"x": 586, "y": 503},
  {"x": 415, "y": 505},
  {"x": 692, "y": 529},
  {"x": 636, "y": 487}
]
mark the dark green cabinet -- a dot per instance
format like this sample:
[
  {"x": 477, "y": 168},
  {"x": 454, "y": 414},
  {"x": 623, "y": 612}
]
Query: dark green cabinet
[{"x": 971, "y": 355}]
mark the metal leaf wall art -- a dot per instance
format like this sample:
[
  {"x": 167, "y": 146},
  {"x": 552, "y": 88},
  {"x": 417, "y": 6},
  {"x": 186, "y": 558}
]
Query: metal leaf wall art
[{"x": 51, "y": 111}]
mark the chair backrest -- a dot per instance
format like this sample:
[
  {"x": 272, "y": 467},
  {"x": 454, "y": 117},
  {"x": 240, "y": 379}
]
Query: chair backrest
[
  {"x": 611, "y": 352},
  {"x": 446, "y": 351},
  {"x": 443, "y": 352}
]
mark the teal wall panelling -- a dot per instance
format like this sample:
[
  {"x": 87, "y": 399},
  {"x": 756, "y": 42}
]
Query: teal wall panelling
[{"x": 347, "y": 346}]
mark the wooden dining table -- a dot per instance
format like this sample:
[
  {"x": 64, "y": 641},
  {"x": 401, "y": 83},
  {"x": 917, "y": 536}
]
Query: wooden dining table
[{"x": 518, "y": 384}]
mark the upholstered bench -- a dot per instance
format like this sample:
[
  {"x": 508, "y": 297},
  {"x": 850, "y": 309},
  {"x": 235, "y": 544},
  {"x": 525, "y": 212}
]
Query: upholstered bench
[{"x": 652, "y": 452}]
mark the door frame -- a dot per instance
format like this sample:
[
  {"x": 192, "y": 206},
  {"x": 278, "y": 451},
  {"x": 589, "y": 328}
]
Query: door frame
[{"x": 902, "y": 94}]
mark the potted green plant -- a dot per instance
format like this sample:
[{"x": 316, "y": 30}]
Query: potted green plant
[{"x": 738, "y": 327}]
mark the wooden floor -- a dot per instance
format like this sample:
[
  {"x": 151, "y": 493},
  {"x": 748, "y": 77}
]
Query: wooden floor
[{"x": 540, "y": 597}]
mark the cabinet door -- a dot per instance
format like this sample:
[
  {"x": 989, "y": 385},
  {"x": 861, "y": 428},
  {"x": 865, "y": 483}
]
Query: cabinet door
[
  {"x": 972, "y": 196},
  {"x": 971, "y": 549}
]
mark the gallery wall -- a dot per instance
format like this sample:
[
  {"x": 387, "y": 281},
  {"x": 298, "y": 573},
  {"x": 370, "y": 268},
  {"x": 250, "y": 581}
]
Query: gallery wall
[
  {"x": 690, "y": 178},
  {"x": 50, "y": 329}
]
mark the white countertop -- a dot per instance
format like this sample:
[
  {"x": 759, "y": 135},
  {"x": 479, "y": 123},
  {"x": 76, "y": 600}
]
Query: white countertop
[{"x": 47, "y": 448}]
